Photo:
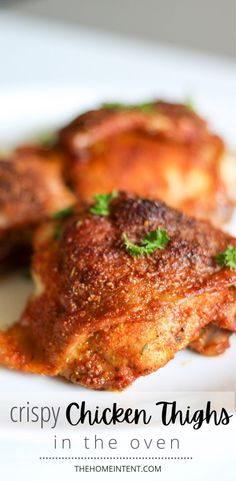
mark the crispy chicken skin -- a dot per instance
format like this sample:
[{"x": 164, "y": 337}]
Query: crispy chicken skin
[
  {"x": 212, "y": 341},
  {"x": 31, "y": 188},
  {"x": 101, "y": 317},
  {"x": 164, "y": 151}
]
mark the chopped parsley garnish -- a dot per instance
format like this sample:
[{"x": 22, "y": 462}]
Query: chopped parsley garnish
[
  {"x": 114, "y": 105},
  {"x": 189, "y": 104},
  {"x": 102, "y": 203},
  {"x": 61, "y": 214},
  {"x": 227, "y": 258},
  {"x": 156, "y": 239},
  {"x": 57, "y": 232},
  {"x": 145, "y": 107},
  {"x": 47, "y": 138}
]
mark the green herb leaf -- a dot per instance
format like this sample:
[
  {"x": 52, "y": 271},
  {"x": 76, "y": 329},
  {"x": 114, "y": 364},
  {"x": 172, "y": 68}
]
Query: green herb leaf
[
  {"x": 227, "y": 258},
  {"x": 61, "y": 214},
  {"x": 189, "y": 104},
  {"x": 146, "y": 107},
  {"x": 114, "y": 106},
  {"x": 47, "y": 138},
  {"x": 133, "y": 249},
  {"x": 102, "y": 203},
  {"x": 156, "y": 239},
  {"x": 57, "y": 232}
]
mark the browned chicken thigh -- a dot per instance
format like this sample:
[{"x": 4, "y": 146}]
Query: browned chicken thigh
[
  {"x": 31, "y": 189},
  {"x": 121, "y": 287},
  {"x": 157, "y": 150}
]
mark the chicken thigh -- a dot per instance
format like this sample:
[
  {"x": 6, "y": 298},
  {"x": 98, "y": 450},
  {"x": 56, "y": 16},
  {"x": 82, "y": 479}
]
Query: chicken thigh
[
  {"x": 31, "y": 189},
  {"x": 157, "y": 150},
  {"x": 121, "y": 287}
]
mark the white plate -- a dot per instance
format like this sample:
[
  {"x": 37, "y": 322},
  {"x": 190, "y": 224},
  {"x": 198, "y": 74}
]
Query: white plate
[{"x": 23, "y": 114}]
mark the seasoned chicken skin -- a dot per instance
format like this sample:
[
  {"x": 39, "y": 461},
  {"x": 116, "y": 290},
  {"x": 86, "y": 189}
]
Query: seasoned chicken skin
[
  {"x": 158, "y": 150},
  {"x": 31, "y": 189},
  {"x": 100, "y": 316},
  {"x": 212, "y": 340}
]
